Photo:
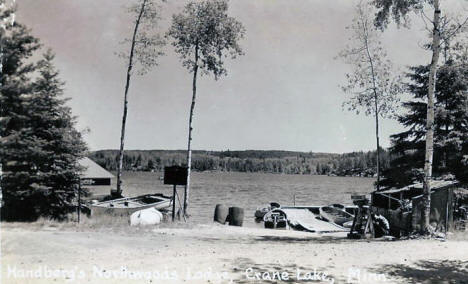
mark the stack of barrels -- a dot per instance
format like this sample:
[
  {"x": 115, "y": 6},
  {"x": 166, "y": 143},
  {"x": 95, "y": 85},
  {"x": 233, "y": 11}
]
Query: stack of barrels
[{"x": 233, "y": 215}]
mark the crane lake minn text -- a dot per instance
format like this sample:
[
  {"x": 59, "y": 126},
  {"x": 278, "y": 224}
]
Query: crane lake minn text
[{"x": 253, "y": 274}]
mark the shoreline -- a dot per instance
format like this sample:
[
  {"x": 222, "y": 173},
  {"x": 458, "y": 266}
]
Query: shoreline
[{"x": 196, "y": 253}]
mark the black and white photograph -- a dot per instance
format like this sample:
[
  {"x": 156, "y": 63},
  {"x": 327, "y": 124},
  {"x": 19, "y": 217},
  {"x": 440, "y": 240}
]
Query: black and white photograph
[{"x": 234, "y": 141}]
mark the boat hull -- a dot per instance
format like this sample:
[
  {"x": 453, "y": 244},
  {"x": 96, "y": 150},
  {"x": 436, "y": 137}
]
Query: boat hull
[
  {"x": 129, "y": 205},
  {"x": 335, "y": 215}
]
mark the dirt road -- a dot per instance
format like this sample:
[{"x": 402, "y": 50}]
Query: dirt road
[{"x": 220, "y": 254}]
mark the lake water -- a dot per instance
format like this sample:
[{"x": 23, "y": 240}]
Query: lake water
[{"x": 250, "y": 190}]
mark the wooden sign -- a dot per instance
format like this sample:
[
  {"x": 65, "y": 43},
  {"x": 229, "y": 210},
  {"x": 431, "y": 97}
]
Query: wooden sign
[
  {"x": 95, "y": 181},
  {"x": 175, "y": 175}
]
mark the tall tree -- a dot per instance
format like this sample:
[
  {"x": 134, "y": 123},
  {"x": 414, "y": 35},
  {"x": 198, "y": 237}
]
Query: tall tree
[
  {"x": 203, "y": 34},
  {"x": 399, "y": 10},
  {"x": 450, "y": 128},
  {"x": 17, "y": 46},
  {"x": 39, "y": 144},
  {"x": 7, "y": 18},
  {"x": 58, "y": 144},
  {"x": 145, "y": 48},
  {"x": 375, "y": 90}
]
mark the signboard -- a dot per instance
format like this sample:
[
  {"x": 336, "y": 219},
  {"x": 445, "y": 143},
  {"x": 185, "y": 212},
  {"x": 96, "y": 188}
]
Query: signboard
[
  {"x": 95, "y": 181},
  {"x": 358, "y": 197},
  {"x": 175, "y": 175}
]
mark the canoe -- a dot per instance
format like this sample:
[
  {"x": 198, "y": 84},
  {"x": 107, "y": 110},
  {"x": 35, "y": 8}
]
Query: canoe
[
  {"x": 128, "y": 205},
  {"x": 335, "y": 215}
]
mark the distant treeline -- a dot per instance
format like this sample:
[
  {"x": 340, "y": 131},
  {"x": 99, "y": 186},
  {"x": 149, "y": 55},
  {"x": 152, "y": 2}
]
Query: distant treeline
[{"x": 285, "y": 162}]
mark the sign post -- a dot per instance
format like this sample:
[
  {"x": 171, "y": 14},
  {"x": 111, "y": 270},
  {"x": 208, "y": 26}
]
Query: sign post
[
  {"x": 175, "y": 175},
  {"x": 173, "y": 202},
  {"x": 79, "y": 200}
]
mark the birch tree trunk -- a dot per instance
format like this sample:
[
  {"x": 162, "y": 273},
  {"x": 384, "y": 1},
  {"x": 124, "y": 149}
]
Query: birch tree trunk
[
  {"x": 430, "y": 119},
  {"x": 189, "y": 149},
  {"x": 378, "y": 142},
  {"x": 376, "y": 103},
  {"x": 127, "y": 85}
]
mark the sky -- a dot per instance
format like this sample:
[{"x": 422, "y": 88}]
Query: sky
[{"x": 283, "y": 94}]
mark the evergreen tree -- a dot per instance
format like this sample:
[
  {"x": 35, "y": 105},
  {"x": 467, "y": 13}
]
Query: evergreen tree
[
  {"x": 60, "y": 144},
  {"x": 451, "y": 126},
  {"x": 39, "y": 145},
  {"x": 17, "y": 47}
]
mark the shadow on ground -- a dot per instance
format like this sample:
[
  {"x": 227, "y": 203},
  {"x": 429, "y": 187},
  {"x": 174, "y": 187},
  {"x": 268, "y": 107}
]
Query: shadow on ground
[
  {"x": 278, "y": 239},
  {"x": 428, "y": 271},
  {"x": 321, "y": 239},
  {"x": 257, "y": 271}
]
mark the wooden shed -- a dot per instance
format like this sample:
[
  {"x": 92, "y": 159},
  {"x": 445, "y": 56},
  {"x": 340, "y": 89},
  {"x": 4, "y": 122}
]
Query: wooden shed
[{"x": 403, "y": 207}]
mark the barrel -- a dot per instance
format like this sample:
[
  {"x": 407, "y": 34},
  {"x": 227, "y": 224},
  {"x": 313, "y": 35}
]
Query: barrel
[
  {"x": 236, "y": 216},
  {"x": 221, "y": 213}
]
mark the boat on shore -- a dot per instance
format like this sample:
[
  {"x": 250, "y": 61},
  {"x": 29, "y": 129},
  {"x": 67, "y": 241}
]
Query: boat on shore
[
  {"x": 319, "y": 219},
  {"x": 128, "y": 205},
  {"x": 335, "y": 215},
  {"x": 260, "y": 212}
]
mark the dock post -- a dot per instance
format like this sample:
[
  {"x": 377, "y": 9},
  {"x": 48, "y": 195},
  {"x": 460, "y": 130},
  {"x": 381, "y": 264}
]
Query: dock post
[{"x": 173, "y": 202}]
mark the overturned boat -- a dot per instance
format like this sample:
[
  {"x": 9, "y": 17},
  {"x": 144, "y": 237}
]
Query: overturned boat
[
  {"x": 317, "y": 219},
  {"x": 128, "y": 205}
]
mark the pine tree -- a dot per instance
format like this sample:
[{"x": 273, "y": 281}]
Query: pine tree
[
  {"x": 60, "y": 144},
  {"x": 17, "y": 47},
  {"x": 450, "y": 131},
  {"x": 39, "y": 145}
]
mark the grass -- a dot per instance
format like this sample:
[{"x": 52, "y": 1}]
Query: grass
[{"x": 102, "y": 223}]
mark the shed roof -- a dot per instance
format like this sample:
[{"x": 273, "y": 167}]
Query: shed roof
[
  {"x": 93, "y": 170},
  {"x": 435, "y": 185}
]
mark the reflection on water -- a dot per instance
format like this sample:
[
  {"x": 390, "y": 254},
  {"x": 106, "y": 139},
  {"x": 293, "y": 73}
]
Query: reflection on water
[{"x": 250, "y": 190}]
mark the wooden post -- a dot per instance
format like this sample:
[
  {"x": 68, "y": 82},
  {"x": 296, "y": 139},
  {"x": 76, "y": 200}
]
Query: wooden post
[
  {"x": 180, "y": 208},
  {"x": 173, "y": 202},
  {"x": 79, "y": 200},
  {"x": 294, "y": 199}
]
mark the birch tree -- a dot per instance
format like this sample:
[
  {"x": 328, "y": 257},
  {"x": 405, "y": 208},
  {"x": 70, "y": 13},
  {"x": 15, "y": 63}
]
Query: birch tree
[
  {"x": 145, "y": 48},
  {"x": 399, "y": 11},
  {"x": 203, "y": 35},
  {"x": 373, "y": 87}
]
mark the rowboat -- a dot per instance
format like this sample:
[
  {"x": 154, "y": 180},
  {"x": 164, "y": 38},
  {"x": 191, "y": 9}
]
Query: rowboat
[
  {"x": 127, "y": 205},
  {"x": 335, "y": 215}
]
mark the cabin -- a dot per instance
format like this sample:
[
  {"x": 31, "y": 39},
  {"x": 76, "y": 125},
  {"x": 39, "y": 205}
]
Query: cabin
[
  {"x": 403, "y": 207},
  {"x": 95, "y": 180}
]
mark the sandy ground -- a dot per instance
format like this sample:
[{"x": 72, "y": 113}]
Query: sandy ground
[{"x": 221, "y": 254}]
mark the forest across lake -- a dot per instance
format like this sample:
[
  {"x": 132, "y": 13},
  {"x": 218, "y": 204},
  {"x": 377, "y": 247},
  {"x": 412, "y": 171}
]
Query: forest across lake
[{"x": 264, "y": 161}]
